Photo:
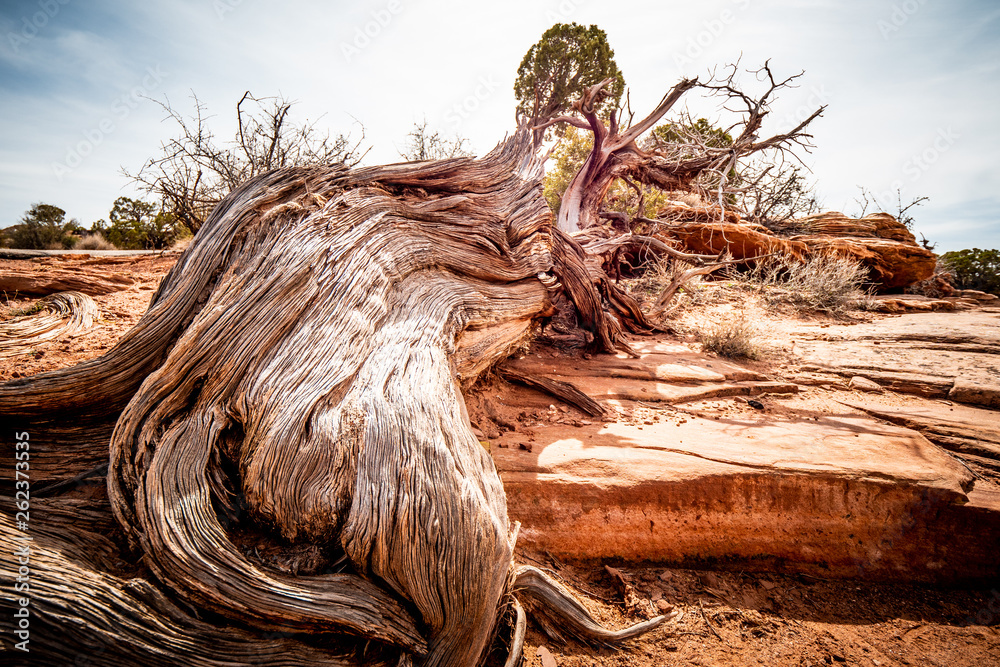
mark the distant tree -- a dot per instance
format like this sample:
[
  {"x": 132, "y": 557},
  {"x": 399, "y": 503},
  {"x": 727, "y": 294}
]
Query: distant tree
[
  {"x": 565, "y": 62},
  {"x": 974, "y": 269},
  {"x": 422, "y": 144},
  {"x": 194, "y": 171},
  {"x": 42, "y": 228},
  {"x": 137, "y": 225},
  {"x": 684, "y": 134}
]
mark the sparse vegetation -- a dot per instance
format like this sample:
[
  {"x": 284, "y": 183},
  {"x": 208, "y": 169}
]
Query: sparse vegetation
[
  {"x": 974, "y": 269},
  {"x": 732, "y": 337},
  {"x": 42, "y": 227},
  {"x": 94, "y": 241},
  {"x": 424, "y": 144},
  {"x": 941, "y": 284},
  {"x": 822, "y": 282},
  {"x": 195, "y": 171}
]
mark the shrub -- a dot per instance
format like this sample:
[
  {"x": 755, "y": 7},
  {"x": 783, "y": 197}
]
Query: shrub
[
  {"x": 939, "y": 285},
  {"x": 42, "y": 228},
  {"x": 974, "y": 269},
  {"x": 822, "y": 282},
  {"x": 94, "y": 242},
  {"x": 731, "y": 337},
  {"x": 137, "y": 225}
]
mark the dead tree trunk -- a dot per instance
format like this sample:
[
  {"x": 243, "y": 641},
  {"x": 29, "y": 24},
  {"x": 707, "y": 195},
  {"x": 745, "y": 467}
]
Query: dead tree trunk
[
  {"x": 295, "y": 387},
  {"x": 616, "y": 154}
]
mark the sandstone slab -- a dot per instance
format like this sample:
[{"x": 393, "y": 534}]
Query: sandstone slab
[
  {"x": 844, "y": 497},
  {"x": 936, "y": 355}
]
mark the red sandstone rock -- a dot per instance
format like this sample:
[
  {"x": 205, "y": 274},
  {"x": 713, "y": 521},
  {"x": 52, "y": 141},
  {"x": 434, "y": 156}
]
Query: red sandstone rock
[{"x": 878, "y": 241}]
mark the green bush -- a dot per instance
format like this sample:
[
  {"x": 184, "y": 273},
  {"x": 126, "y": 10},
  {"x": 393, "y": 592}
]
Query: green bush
[
  {"x": 42, "y": 228},
  {"x": 974, "y": 269},
  {"x": 136, "y": 225}
]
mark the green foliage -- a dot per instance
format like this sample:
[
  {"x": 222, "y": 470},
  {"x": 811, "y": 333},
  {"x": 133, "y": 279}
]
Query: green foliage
[
  {"x": 974, "y": 269},
  {"x": 42, "y": 228},
  {"x": 137, "y": 225},
  {"x": 566, "y": 60},
  {"x": 668, "y": 134}
]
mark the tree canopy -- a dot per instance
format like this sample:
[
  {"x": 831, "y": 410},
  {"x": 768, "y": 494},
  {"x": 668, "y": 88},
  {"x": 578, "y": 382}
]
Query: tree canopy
[
  {"x": 975, "y": 269},
  {"x": 568, "y": 59},
  {"x": 137, "y": 225},
  {"x": 42, "y": 227}
]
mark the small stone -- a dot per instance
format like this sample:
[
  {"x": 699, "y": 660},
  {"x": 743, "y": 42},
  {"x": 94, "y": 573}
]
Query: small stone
[
  {"x": 859, "y": 383},
  {"x": 548, "y": 660},
  {"x": 663, "y": 606}
]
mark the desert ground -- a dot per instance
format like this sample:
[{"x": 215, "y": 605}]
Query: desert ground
[{"x": 794, "y": 610}]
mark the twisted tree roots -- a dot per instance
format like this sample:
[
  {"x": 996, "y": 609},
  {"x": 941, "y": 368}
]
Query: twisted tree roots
[{"x": 297, "y": 383}]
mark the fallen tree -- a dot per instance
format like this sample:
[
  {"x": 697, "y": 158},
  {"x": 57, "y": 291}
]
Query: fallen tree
[
  {"x": 295, "y": 387},
  {"x": 290, "y": 455}
]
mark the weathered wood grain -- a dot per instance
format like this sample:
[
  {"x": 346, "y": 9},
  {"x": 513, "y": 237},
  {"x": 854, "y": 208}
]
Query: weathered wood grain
[{"x": 299, "y": 374}]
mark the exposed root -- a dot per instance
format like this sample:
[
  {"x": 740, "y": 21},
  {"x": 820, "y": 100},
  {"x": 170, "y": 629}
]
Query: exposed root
[
  {"x": 517, "y": 639},
  {"x": 557, "y": 609},
  {"x": 56, "y": 316}
]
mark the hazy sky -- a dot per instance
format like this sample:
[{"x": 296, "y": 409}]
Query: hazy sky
[{"x": 912, "y": 85}]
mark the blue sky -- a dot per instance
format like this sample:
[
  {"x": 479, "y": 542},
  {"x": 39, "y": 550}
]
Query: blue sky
[{"x": 911, "y": 85}]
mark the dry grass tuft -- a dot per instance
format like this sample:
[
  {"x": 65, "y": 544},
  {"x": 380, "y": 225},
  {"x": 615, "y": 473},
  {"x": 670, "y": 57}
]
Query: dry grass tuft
[
  {"x": 732, "y": 337},
  {"x": 822, "y": 283},
  {"x": 94, "y": 242}
]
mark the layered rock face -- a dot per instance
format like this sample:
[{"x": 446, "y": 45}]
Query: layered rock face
[{"x": 879, "y": 241}]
